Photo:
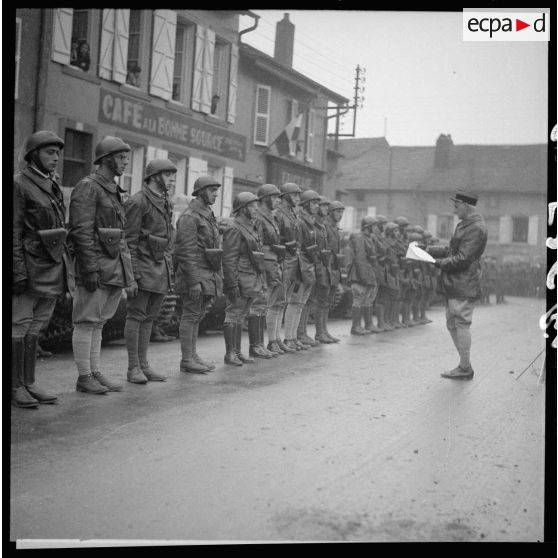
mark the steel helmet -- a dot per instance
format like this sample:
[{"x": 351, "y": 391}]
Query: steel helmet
[
  {"x": 368, "y": 221},
  {"x": 381, "y": 219},
  {"x": 41, "y": 139},
  {"x": 433, "y": 240},
  {"x": 401, "y": 221},
  {"x": 242, "y": 200},
  {"x": 308, "y": 196},
  {"x": 268, "y": 190},
  {"x": 108, "y": 146},
  {"x": 290, "y": 188},
  {"x": 427, "y": 234},
  {"x": 324, "y": 201},
  {"x": 335, "y": 204},
  {"x": 203, "y": 182},
  {"x": 391, "y": 226},
  {"x": 417, "y": 229},
  {"x": 159, "y": 165},
  {"x": 414, "y": 237}
]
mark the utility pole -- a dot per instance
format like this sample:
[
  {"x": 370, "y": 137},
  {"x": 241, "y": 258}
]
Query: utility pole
[{"x": 358, "y": 101}]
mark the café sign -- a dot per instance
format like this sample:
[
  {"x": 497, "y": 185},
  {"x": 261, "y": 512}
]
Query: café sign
[{"x": 144, "y": 118}]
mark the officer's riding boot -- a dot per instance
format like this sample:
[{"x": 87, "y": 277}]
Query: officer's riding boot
[
  {"x": 387, "y": 315},
  {"x": 187, "y": 362},
  {"x": 321, "y": 335},
  {"x": 380, "y": 308},
  {"x": 229, "y": 332},
  {"x": 20, "y": 396},
  {"x": 143, "y": 344},
  {"x": 255, "y": 349},
  {"x": 368, "y": 321},
  {"x": 237, "y": 344},
  {"x": 30, "y": 358},
  {"x": 195, "y": 332},
  {"x": 262, "y": 324},
  {"x": 301, "y": 332},
  {"x": 325, "y": 317},
  {"x": 356, "y": 328}
]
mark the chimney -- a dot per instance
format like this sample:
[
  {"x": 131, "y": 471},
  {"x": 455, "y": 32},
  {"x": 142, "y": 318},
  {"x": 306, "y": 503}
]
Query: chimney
[{"x": 284, "y": 41}]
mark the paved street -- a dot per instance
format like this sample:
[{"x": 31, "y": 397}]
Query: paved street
[{"x": 359, "y": 441}]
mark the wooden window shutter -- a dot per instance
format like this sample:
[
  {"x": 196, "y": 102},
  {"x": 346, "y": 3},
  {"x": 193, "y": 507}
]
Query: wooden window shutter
[
  {"x": 293, "y": 113},
  {"x": 198, "y": 68},
  {"x": 261, "y": 123},
  {"x": 533, "y": 230},
  {"x": 162, "y": 53},
  {"x": 505, "y": 236},
  {"x": 228, "y": 177},
  {"x": 371, "y": 211},
  {"x": 120, "y": 57},
  {"x": 310, "y": 136},
  {"x": 432, "y": 224},
  {"x": 62, "y": 35},
  {"x": 233, "y": 85},
  {"x": 196, "y": 167},
  {"x": 107, "y": 44},
  {"x": 207, "y": 75}
]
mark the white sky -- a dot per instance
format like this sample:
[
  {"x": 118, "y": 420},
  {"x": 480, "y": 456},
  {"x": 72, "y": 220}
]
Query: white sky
[{"x": 420, "y": 75}]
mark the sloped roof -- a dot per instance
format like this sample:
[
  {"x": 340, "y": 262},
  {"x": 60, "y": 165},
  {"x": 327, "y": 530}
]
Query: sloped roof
[{"x": 521, "y": 168}]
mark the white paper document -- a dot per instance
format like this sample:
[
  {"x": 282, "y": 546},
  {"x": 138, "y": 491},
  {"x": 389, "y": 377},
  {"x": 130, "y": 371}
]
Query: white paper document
[{"x": 416, "y": 253}]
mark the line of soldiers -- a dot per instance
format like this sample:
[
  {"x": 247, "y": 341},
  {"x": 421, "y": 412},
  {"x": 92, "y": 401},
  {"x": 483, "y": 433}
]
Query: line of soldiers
[
  {"x": 384, "y": 283},
  {"x": 280, "y": 257}
]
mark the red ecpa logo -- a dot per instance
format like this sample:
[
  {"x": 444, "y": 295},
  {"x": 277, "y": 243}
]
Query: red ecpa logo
[{"x": 508, "y": 26}]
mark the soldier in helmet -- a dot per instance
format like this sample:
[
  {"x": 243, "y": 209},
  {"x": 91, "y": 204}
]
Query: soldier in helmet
[
  {"x": 400, "y": 309},
  {"x": 289, "y": 235},
  {"x": 149, "y": 234},
  {"x": 335, "y": 214},
  {"x": 393, "y": 256},
  {"x": 270, "y": 308},
  {"x": 42, "y": 268},
  {"x": 380, "y": 271},
  {"x": 362, "y": 278},
  {"x": 415, "y": 291},
  {"x": 303, "y": 293},
  {"x": 429, "y": 280},
  {"x": 198, "y": 270},
  {"x": 103, "y": 263},
  {"x": 243, "y": 273}
]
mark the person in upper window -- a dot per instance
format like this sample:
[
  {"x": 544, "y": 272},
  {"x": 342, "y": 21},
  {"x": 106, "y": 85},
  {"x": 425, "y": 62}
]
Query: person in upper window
[
  {"x": 83, "y": 57},
  {"x": 133, "y": 76}
]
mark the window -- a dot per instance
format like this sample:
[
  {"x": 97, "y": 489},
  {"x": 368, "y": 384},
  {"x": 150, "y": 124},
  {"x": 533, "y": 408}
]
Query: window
[
  {"x": 132, "y": 178},
  {"x": 359, "y": 196},
  {"x": 261, "y": 122},
  {"x": 445, "y": 226},
  {"x": 220, "y": 79},
  {"x": 180, "y": 73},
  {"x": 80, "y": 55},
  {"x": 360, "y": 214},
  {"x": 17, "y": 54},
  {"x": 77, "y": 156},
  {"x": 520, "y": 229},
  {"x": 294, "y": 144},
  {"x": 493, "y": 228},
  {"x": 134, "y": 69},
  {"x": 310, "y": 135}
]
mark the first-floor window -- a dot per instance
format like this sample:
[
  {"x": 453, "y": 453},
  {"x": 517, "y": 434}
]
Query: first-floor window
[
  {"x": 132, "y": 178},
  {"x": 445, "y": 226},
  {"x": 80, "y": 55},
  {"x": 77, "y": 156},
  {"x": 520, "y": 229}
]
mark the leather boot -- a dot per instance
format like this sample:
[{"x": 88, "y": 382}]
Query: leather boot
[
  {"x": 291, "y": 345},
  {"x": 144, "y": 337},
  {"x": 368, "y": 323},
  {"x": 356, "y": 328},
  {"x": 284, "y": 347},
  {"x": 238, "y": 343},
  {"x": 380, "y": 316},
  {"x": 255, "y": 349},
  {"x": 387, "y": 316},
  {"x": 404, "y": 321},
  {"x": 324, "y": 324},
  {"x": 29, "y": 359},
  {"x": 195, "y": 332},
  {"x": 321, "y": 336},
  {"x": 262, "y": 325},
  {"x": 301, "y": 332},
  {"x": 415, "y": 308},
  {"x": 274, "y": 347},
  {"x": 229, "y": 332},
  {"x": 187, "y": 363},
  {"x": 104, "y": 381},
  {"x": 87, "y": 383},
  {"x": 20, "y": 396},
  {"x": 135, "y": 376},
  {"x": 396, "y": 312}
]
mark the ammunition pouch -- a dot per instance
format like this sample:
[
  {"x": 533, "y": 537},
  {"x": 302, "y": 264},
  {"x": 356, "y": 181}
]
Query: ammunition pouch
[
  {"x": 326, "y": 257},
  {"x": 340, "y": 259},
  {"x": 213, "y": 257},
  {"x": 110, "y": 241},
  {"x": 313, "y": 253},
  {"x": 53, "y": 241},
  {"x": 280, "y": 250},
  {"x": 157, "y": 245},
  {"x": 259, "y": 261},
  {"x": 290, "y": 247}
]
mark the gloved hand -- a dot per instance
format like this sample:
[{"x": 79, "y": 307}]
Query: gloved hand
[
  {"x": 91, "y": 281},
  {"x": 18, "y": 288},
  {"x": 233, "y": 294},
  {"x": 437, "y": 263},
  {"x": 132, "y": 290},
  {"x": 194, "y": 292}
]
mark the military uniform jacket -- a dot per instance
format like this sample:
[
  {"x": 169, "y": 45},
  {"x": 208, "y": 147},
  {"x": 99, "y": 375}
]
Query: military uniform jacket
[
  {"x": 288, "y": 231},
  {"x": 196, "y": 230},
  {"x": 323, "y": 265},
  {"x": 381, "y": 259},
  {"x": 149, "y": 234},
  {"x": 334, "y": 243},
  {"x": 40, "y": 252},
  {"x": 392, "y": 261},
  {"x": 97, "y": 221},
  {"x": 364, "y": 255},
  {"x": 405, "y": 266},
  {"x": 461, "y": 271},
  {"x": 267, "y": 227},
  {"x": 307, "y": 237},
  {"x": 240, "y": 241}
]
